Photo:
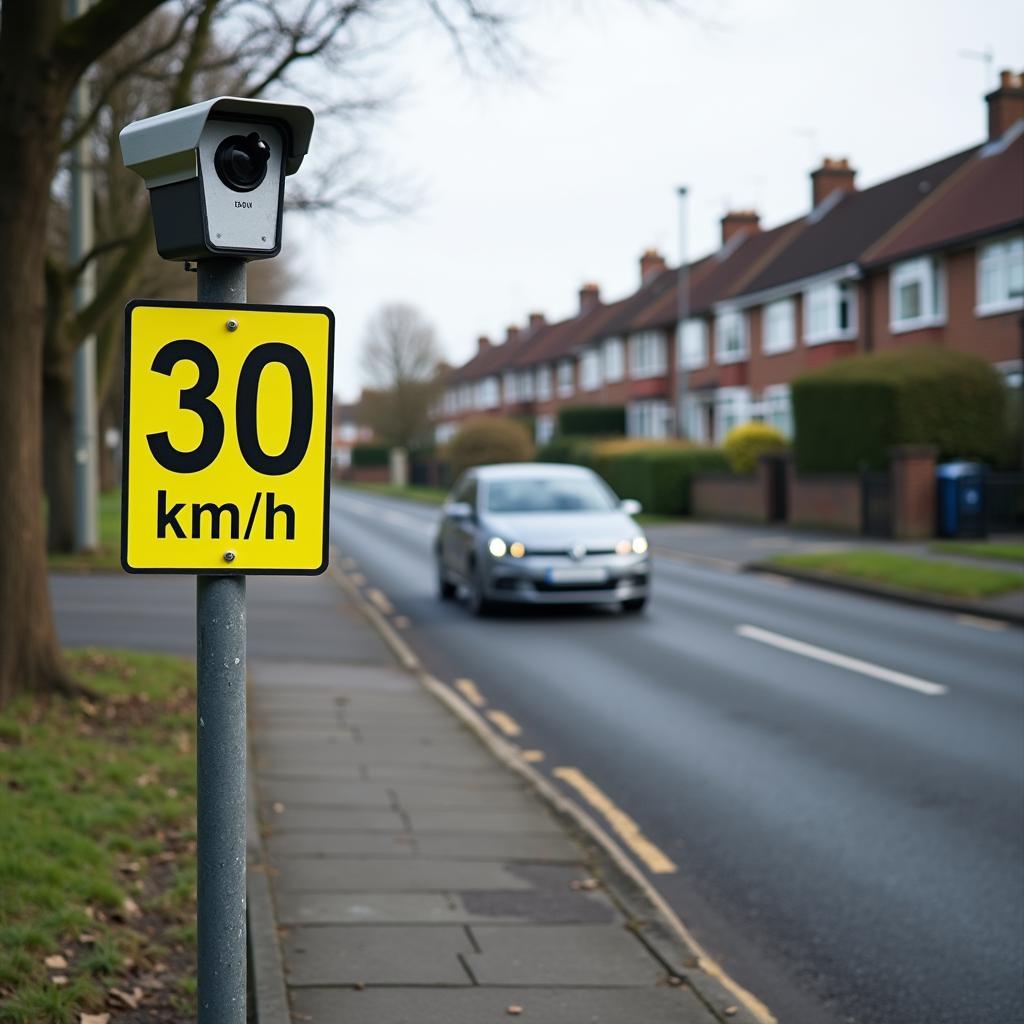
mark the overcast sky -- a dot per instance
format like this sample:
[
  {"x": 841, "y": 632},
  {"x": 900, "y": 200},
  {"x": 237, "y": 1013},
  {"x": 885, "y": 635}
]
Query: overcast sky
[{"x": 530, "y": 189}]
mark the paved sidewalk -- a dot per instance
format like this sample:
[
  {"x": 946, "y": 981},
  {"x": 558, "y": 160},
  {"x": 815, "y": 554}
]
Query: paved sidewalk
[{"x": 418, "y": 880}]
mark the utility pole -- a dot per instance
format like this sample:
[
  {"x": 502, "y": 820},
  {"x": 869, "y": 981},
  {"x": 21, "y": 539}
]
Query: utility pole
[
  {"x": 81, "y": 238},
  {"x": 682, "y": 312}
]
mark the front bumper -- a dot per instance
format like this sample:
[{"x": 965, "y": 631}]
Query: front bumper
[{"x": 551, "y": 579}]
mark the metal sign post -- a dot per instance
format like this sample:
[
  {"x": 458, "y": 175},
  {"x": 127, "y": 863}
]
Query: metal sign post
[
  {"x": 220, "y": 754},
  {"x": 216, "y": 481}
]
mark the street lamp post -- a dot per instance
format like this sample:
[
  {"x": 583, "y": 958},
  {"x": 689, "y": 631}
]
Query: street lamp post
[{"x": 679, "y": 374}]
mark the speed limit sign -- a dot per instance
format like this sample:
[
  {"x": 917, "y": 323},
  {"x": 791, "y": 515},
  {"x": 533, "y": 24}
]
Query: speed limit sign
[{"x": 227, "y": 424}]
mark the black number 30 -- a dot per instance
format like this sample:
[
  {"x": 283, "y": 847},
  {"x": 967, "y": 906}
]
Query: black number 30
[{"x": 197, "y": 399}]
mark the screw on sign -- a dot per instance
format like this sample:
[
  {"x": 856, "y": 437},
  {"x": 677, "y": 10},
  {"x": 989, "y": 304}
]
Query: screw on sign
[{"x": 226, "y": 448}]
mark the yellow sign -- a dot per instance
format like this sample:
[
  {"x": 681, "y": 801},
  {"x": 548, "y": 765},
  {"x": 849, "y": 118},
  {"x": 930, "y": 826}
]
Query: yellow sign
[{"x": 227, "y": 431}]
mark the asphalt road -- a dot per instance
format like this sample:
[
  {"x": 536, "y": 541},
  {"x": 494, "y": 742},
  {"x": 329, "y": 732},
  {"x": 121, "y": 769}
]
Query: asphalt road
[{"x": 847, "y": 836}]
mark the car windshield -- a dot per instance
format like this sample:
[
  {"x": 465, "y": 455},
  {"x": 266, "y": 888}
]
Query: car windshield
[{"x": 549, "y": 494}]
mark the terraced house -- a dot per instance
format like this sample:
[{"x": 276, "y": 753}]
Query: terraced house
[{"x": 932, "y": 257}]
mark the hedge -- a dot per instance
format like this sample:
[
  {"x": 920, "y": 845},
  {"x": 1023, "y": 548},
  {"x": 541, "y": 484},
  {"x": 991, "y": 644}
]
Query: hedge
[
  {"x": 744, "y": 445},
  {"x": 849, "y": 414},
  {"x": 658, "y": 477},
  {"x": 371, "y": 455},
  {"x": 564, "y": 448},
  {"x": 488, "y": 440},
  {"x": 592, "y": 420}
]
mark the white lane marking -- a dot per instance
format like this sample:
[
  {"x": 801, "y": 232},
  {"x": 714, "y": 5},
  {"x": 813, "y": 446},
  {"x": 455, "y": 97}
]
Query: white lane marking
[
  {"x": 378, "y": 597},
  {"x": 867, "y": 668},
  {"x": 388, "y": 515}
]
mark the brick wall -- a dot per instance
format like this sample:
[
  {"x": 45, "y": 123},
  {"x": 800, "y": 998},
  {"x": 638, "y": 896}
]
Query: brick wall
[
  {"x": 831, "y": 501},
  {"x": 722, "y": 496}
]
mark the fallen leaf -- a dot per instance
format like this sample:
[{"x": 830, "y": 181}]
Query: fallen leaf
[
  {"x": 130, "y": 999},
  {"x": 94, "y": 1018},
  {"x": 130, "y": 907},
  {"x": 279, "y": 807},
  {"x": 59, "y": 979},
  {"x": 731, "y": 1011},
  {"x": 514, "y": 1011},
  {"x": 56, "y": 961},
  {"x": 86, "y": 939}
]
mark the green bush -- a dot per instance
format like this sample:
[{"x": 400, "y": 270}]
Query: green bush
[
  {"x": 849, "y": 414},
  {"x": 592, "y": 420},
  {"x": 565, "y": 448},
  {"x": 659, "y": 477},
  {"x": 744, "y": 445},
  {"x": 487, "y": 440},
  {"x": 371, "y": 455}
]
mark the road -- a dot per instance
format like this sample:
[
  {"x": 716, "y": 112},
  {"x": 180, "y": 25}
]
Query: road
[{"x": 830, "y": 789}]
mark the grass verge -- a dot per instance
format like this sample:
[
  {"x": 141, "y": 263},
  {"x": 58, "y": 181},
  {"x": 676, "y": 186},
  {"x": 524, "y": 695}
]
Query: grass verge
[
  {"x": 907, "y": 572},
  {"x": 982, "y": 549},
  {"x": 97, "y": 861},
  {"x": 107, "y": 557},
  {"x": 426, "y": 495}
]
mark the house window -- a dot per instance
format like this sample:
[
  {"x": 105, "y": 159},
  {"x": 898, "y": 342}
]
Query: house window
[
  {"x": 565, "y": 381},
  {"x": 732, "y": 407},
  {"x": 544, "y": 428},
  {"x": 614, "y": 360},
  {"x": 543, "y": 383},
  {"x": 466, "y": 396},
  {"x": 779, "y": 326},
  {"x": 695, "y": 418},
  {"x": 1001, "y": 276},
  {"x": 488, "y": 394},
  {"x": 646, "y": 355},
  {"x": 829, "y": 312},
  {"x": 451, "y": 401},
  {"x": 777, "y": 409},
  {"x": 647, "y": 419},
  {"x": 915, "y": 294},
  {"x": 511, "y": 386},
  {"x": 692, "y": 340},
  {"x": 526, "y": 386},
  {"x": 730, "y": 337},
  {"x": 445, "y": 432},
  {"x": 590, "y": 370}
]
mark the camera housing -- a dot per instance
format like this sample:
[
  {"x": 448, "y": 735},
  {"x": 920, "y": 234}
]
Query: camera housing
[{"x": 215, "y": 173}]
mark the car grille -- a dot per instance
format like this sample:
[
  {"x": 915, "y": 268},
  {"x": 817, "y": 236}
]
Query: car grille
[{"x": 548, "y": 588}]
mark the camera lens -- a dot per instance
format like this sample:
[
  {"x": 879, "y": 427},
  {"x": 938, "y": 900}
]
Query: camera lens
[{"x": 241, "y": 161}]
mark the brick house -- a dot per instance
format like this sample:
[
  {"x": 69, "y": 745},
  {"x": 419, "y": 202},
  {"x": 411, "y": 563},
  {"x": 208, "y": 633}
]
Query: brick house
[{"x": 931, "y": 257}]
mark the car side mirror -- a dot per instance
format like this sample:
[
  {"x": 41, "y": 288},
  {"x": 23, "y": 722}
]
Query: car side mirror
[
  {"x": 458, "y": 510},
  {"x": 631, "y": 507}
]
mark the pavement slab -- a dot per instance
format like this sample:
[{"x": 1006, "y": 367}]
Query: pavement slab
[{"x": 492, "y": 1006}]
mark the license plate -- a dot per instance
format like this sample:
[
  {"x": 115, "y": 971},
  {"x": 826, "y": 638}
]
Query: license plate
[{"x": 577, "y": 575}]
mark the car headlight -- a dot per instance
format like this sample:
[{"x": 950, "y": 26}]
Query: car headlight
[
  {"x": 497, "y": 547},
  {"x": 624, "y": 547},
  {"x": 517, "y": 549},
  {"x": 639, "y": 545}
]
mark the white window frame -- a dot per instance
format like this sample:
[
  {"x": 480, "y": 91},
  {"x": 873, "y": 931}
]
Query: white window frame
[
  {"x": 488, "y": 393},
  {"x": 1003, "y": 259},
  {"x": 692, "y": 344},
  {"x": 444, "y": 432},
  {"x": 729, "y": 400},
  {"x": 648, "y": 417},
  {"x": 778, "y": 327},
  {"x": 726, "y": 322},
  {"x": 927, "y": 272},
  {"x": 831, "y": 294},
  {"x": 544, "y": 428},
  {"x": 591, "y": 377},
  {"x": 647, "y": 355},
  {"x": 613, "y": 353},
  {"x": 543, "y": 383},
  {"x": 777, "y": 407},
  {"x": 565, "y": 383},
  {"x": 525, "y": 385},
  {"x": 510, "y": 387},
  {"x": 695, "y": 420}
]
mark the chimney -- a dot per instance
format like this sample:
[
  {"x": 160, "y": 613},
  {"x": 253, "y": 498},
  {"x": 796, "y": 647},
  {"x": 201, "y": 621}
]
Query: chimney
[
  {"x": 736, "y": 221},
  {"x": 651, "y": 264},
  {"x": 537, "y": 321},
  {"x": 483, "y": 342},
  {"x": 1005, "y": 104},
  {"x": 511, "y": 334},
  {"x": 835, "y": 174},
  {"x": 590, "y": 298}
]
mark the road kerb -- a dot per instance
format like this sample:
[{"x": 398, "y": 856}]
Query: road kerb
[{"x": 714, "y": 988}]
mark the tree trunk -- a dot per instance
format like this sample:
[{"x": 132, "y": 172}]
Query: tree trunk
[
  {"x": 32, "y": 98},
  {"x": 58, "y": 458}
]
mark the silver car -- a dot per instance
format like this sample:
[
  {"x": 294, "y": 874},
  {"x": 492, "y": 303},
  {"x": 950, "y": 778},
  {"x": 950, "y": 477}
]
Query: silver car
[{"x": 537, "y": 533}]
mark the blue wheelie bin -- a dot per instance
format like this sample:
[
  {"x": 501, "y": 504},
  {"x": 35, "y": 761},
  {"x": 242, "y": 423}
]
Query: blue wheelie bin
[{"x": 961, "y": 499}]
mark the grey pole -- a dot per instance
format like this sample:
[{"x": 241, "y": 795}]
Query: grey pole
[
  {"x": 221, "y": 750},
  {"x": 680, "y": 372},
  {"x": 80, "y": 242}
]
